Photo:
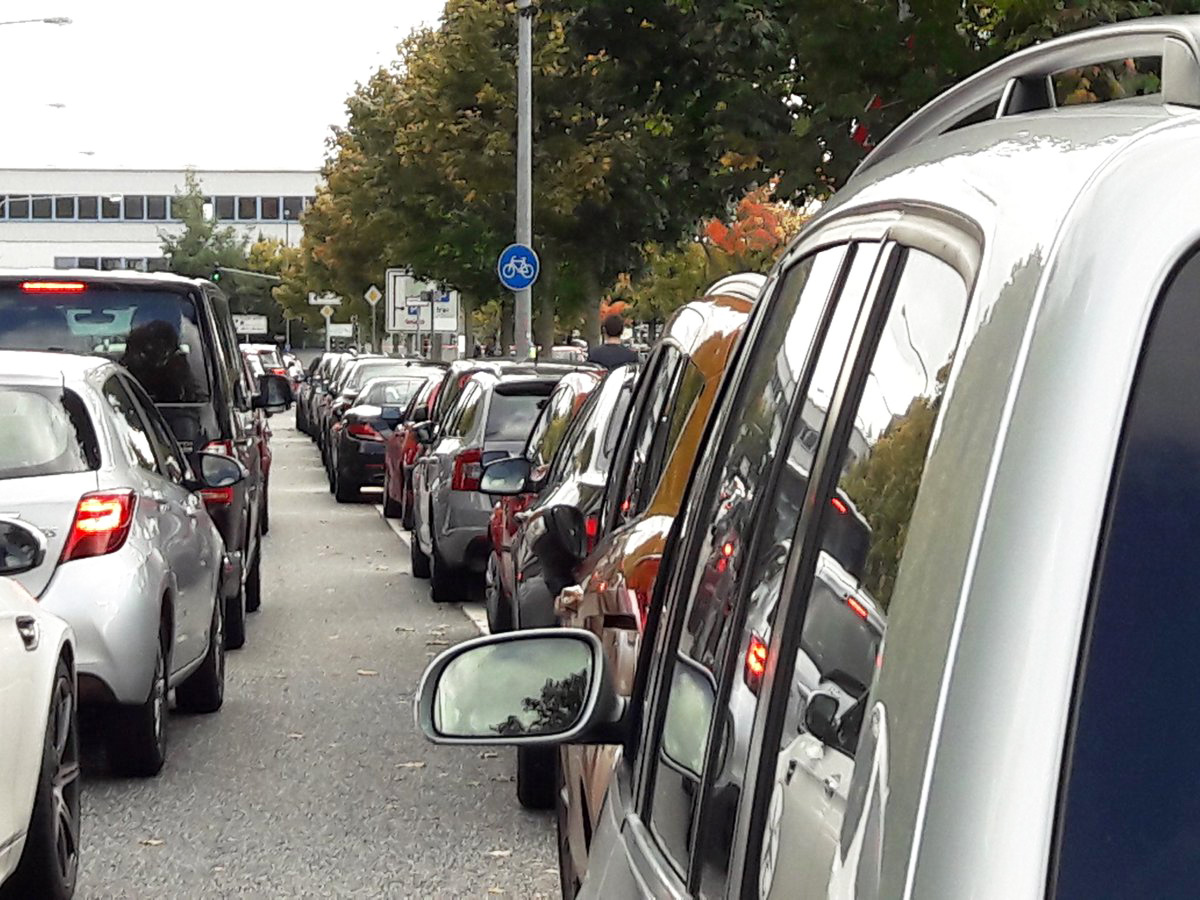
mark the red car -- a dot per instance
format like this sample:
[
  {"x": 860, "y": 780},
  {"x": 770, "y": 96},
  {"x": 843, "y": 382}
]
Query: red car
[
  {"x": 402, "y": 451},
  {"x": 547, "y": 434}
]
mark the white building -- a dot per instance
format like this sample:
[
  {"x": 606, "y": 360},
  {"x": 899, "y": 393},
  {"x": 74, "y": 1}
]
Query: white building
[{"x": 115, "y": 218}]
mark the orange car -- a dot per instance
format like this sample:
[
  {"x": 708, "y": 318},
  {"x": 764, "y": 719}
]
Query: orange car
[{"x": 646, "y": 485}]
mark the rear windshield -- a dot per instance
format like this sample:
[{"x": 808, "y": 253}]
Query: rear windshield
[
  {"x": 271, "y": 358},
  {"x": 511, "y": 416},
  {"x": 368, "y": 370},
  {"x": 44, "y": 431},
  {"x": 154, "y": 334},
  {"x": 390, "y": 393},
  {"x": 841, "y": 644}
]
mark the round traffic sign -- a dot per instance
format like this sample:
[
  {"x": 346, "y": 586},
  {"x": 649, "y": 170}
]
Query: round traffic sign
[{"x": 518, "y": 267}]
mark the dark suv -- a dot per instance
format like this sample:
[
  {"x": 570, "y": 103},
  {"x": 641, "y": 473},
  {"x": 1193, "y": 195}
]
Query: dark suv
[{"x": 176, "y": 336}]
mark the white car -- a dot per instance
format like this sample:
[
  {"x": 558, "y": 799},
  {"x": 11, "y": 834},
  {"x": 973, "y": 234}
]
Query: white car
[
  {"x": 134, "y": 564},
  {"x": 39, "y": 740}
]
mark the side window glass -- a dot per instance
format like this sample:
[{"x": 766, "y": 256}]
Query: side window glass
[
  {"x": 662, "y": 380},
  {"x": 686, "y": 392},
  {"x": 750, "y": 440},
  {"x": 862, "y": 531},
  {"x": 469, "y": 412},
  {"x": 1127, "y": 817},
  {"x": 131, "y": 433},
  {"x": 170, "y": 457}
]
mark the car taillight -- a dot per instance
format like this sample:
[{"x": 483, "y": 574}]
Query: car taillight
[
  {"x": 101, "y": 525},
  {"x": 53, "y": 287},
  {"x": 278, "y": 371},
  {"x": 756, "y": 662},
  {"x": 591, "y": 527},
  {"x": 225, "y": 448},
  {"x": 839, "y": 505},
  {"x": 857, "y": 608},
  {"x": 468, "y": 469},
  {"x": 217, "y": 496},
  {"x": 363, "y": 431}
]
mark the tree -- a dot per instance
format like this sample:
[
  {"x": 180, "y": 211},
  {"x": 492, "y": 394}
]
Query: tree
[{"x": 201, "y": 246}]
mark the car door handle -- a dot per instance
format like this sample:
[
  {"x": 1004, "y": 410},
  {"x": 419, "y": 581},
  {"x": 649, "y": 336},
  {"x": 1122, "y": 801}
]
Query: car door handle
[{"x": 831, "y": 784}]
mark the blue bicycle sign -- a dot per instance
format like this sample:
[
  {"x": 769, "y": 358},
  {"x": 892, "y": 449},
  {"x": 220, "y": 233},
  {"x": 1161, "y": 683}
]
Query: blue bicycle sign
[{"x": 518, "y": 267}]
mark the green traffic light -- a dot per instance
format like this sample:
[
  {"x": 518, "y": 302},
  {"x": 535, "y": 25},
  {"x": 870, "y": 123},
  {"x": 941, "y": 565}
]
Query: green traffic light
[{"x": 216, "y": 275}]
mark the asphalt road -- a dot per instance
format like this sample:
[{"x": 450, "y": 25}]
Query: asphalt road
[{"x": 312, "y": 780}]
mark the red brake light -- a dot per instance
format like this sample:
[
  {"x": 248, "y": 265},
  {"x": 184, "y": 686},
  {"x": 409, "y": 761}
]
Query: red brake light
[
  {"x": 53, "y": 287},
  {"x": 101, "y": 525},
  {"x": 278, "y": 371},
  {"x": 756, "y": 662},
  {"x": 217, "y": 496},
  {"x": 363, "y": 431},
  {"x": 727, "y": 549},
  {"x": 468, "y": 469},
  {"x": 225, "y": 448},
  {"x": 591, "y": 527},
  {"x": 857, "y": 608},
  {"x": 836, "y": 503}
]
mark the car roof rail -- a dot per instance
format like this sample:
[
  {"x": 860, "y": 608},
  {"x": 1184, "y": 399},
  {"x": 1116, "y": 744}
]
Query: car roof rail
[{"x": 1023, "y": 81}]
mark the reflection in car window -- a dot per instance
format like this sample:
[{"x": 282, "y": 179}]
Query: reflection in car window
[
  {"x": 881, "y": 465},
  {"x": 511, "y": 416},
  {"x": 749, "y": 442},
  {"x": 160, "y": 436},
  {"x": 551, "y": 428},
  {"x": 462, "y": 417},
  {"x": 44, "y": 431},
  {"x": 130, "y": 430}
]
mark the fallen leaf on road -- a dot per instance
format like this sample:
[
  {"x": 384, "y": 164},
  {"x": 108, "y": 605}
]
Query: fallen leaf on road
[
  {"x": 472, "y": 784},
  {"x": 437, "y": 643},
  {"x": 502, "y": 778},
  {"x": 499, "y": 854},
  {"x": 400, "y": 628},
  {"x": 410, "y": 765},
  {"x": 367, "y": 672},
  {"x": 151, "y": 842},
  {"x": 488, "y": 754},
  {"x": 295, "y": 735},
  {"x": 495, "y": 890},
  {"x": 381, "y": 568}
]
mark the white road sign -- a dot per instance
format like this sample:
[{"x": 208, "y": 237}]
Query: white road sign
[
  {"x": 250, "y": 324},
  {"x": 407, "y": 312},
  {"x": 340, "y": 329},
  {"x": 315, "y": 299},
  {"x": 373, "y": 295}
]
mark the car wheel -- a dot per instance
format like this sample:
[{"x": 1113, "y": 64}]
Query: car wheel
[
  {"x": 138, "y": 738},
  {"x": 391, "y": 509},
  {"x": 254, "y": 585},
  {"x": 49, "y": 863},
  {"x": 235, "y": 613},
  {"x": 568, "y": 877},
  {"x": 444, "y": 582},
  {"x": 420, "y": 561},
  {"x": 406, "y": 509},
  {"x": 204, "y": 690},
  {"x": 499, "y": 614},
  {"x": 536, "y": 776},
  {"x": 345, "y": 490}
]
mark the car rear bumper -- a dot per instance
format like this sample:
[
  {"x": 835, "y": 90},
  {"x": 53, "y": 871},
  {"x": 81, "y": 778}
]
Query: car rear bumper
[
  {"x": 462, "y": 537},
  {"x": 113, "y": 603},
  {"x": 361, "y": 462}
]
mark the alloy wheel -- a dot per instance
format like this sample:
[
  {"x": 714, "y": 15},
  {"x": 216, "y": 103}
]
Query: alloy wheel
[{"x": 64, "y": 785}]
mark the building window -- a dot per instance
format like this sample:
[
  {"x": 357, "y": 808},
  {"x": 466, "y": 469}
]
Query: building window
[
  {"x": 156, "y": 208},
  {"x": 111, "y": 263},
  {"x": 43, "y": 207},
  {"x": 225, "y": 209},
  {"x": 88, "y": 208},
  {"x": 66, "y": 262},
  {"x": 110, "y": 208},
  {"x": 87, "y": 262},
  {"x": 270, "y": 208},
  {"x": 135, "y": 207},
  {"x": 156, "y": 264},
  {"x": 292, "y": 207},
  {"x": 18, "y": 207},
  {"x": 247, "y": 208},
  {"x": 3, "y": 207},
  {"x": 64, "y": 207}
]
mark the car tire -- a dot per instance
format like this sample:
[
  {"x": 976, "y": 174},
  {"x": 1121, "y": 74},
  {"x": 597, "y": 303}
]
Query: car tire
[
  {"x": 420, "y": 561},
  {"x": 254, "y": 585},
  {"x": 407, "y": 519},
  {"x": 204, "y": 689},
  {"x": 391, "y": 509},
  {"x": 537, "y": 776},
  {"x": 235, "y": 614},
  {"x": 443, "y": 580},
  {"x": 49, "y": 864},
  {"x": 499, "y": 613},
  {"x": 137, "y": 745},
  {"x": 568, "y": 877},
  {"x": 345, "y": 490}
]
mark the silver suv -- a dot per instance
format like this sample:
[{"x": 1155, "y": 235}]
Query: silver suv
[{"x": 983, "y": 347}]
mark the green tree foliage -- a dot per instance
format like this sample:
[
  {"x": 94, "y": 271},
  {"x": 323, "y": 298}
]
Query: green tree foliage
[{"x": 201, "y": 246}]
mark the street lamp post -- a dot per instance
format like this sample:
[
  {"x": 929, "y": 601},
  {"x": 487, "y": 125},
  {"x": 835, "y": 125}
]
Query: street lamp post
[
  {"x": 523, "y": 311},
  {"x": 48, "y": 20},
  {"x": 287, "y": 221}
]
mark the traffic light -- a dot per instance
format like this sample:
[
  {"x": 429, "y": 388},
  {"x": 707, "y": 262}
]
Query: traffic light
[{"x": 216, "y": 275}]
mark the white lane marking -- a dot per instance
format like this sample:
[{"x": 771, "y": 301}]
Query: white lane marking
[{"x": 475, "y": 612}]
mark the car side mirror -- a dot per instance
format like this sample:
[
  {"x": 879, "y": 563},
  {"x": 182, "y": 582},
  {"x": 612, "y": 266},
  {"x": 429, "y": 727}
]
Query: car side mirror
[
  {"x": 506, "y": 477},
  {"x": 22, "y": 547},
  {"x": 821, "y": 718},
  {"x": 539, "y": 686},
  {"x": 274, "y": 393},
  {"x": 216, "y": 470},
  {"x": 424, "y": 432}
]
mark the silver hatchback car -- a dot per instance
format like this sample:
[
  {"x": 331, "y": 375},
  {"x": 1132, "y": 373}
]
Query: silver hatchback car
[
  {"x": 133, "y": 563},
  {"x": 985, "y": 348}
]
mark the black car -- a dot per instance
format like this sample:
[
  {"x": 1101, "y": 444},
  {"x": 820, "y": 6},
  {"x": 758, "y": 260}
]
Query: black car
[
  {"x": 176, "y": 336},
  {"x": 357, "y": 440},
  {"x": 304, "y": 393}
]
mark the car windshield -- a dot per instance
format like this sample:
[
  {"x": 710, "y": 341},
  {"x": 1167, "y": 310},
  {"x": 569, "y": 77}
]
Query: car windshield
[
  {"x": 44, "y": 431},
  {"x": 511, "y": 416},
  {"x": 154, "y": 334}
]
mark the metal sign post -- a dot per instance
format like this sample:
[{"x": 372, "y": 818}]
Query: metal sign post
[
  {"x": 524, "y": 295},
  {"x": 373, "y": 295},
  {"x": 327, "y": 312}
]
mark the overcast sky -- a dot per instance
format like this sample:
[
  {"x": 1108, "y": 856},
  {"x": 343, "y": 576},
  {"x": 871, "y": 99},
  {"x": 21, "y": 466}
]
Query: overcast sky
[{"x": 251, "y": 84}]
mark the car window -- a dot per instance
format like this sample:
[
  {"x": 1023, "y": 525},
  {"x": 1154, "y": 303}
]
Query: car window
[
  {"x": 750, "y": 440},
  {"x": 395, "y": 392},
  {"x": 44, "y": 431},
  {"x": 170, "y": 458},
  {"x": 880, "y": 464},
  {"x": 1128, "y": 815},
  {"x": 511, "y": 416},
  {"x": 154, "y": 334},
  {"x": 131, "y": 431},
  {"x": 550, "y": 428},
  {"x": 466, "y": 412},
  {"x": 659, "y": 378}
]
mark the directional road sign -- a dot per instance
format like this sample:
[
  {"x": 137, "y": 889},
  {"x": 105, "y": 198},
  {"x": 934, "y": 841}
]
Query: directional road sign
[
  {"x": 327, "y": 311},
  {"x": 373, "y": 295},
  {"x": 518, "y": 267}
]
